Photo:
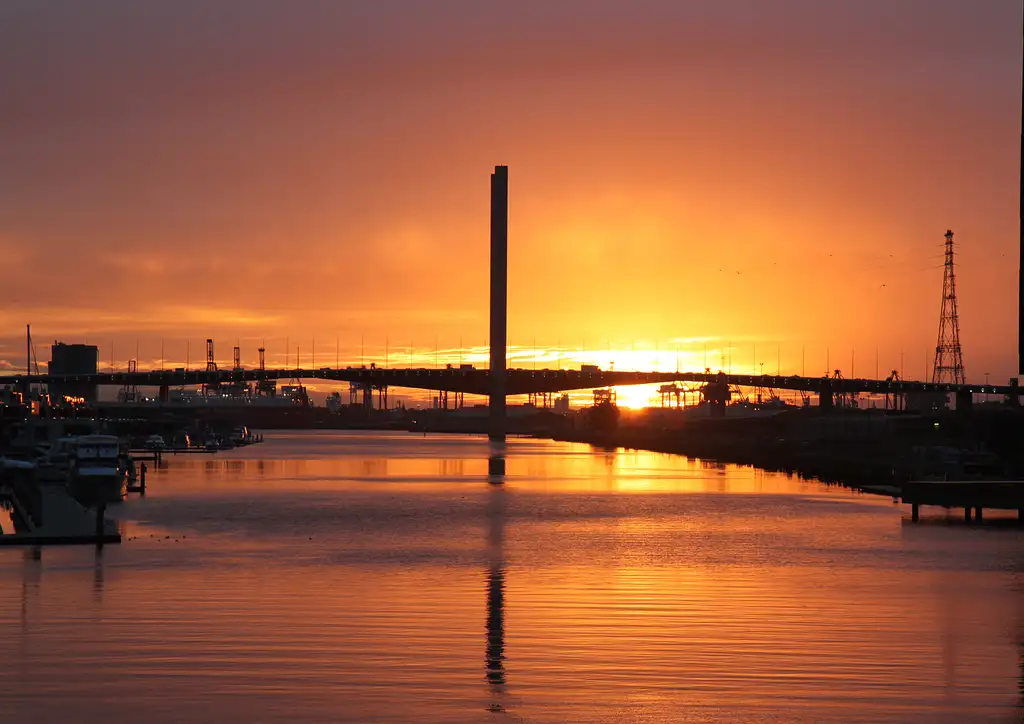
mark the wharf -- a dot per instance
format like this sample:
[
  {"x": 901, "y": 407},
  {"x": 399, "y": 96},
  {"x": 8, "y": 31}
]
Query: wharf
[
  {"x": 970, "y": 495},
  {"x": 62, "y": 520}
]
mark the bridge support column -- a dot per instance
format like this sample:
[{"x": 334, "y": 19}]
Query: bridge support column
[
  {"x": 499, "y": 300},
  {"x": 826, "y": 400},
  {"x": 964, "y": 402},
  {"x": 165, "y": 394},
  {"x": 1013, "y": 399}
]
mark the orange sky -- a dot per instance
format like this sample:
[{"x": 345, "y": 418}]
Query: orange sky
[{"x": 682, "y": 174}]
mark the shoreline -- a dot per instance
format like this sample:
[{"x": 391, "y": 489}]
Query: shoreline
[{"x": 853, "y": 469}]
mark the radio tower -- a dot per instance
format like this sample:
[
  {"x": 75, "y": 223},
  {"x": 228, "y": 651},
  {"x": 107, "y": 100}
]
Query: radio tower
[{"x": 949, "y": 360}]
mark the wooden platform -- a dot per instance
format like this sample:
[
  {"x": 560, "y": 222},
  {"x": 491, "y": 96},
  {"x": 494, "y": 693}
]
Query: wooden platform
[{"x": 966, "y": 494}]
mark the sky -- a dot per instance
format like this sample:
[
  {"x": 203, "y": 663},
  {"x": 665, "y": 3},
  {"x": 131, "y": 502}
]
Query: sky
[{"x": 723, "y": 183}]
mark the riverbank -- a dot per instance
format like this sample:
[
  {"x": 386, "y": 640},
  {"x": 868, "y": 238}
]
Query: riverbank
[{"x": 867, "y": 450}]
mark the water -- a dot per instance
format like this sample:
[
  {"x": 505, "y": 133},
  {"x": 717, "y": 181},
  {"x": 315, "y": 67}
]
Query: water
[{"x": 331, "y": 577}]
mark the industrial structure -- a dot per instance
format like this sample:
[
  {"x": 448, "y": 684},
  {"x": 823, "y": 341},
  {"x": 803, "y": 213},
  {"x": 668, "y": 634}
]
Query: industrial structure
[{"x": 949, "y": 359}]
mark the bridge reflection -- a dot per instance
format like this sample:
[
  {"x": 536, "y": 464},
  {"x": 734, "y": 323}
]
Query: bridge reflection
[{"x": 494, "y": 658}]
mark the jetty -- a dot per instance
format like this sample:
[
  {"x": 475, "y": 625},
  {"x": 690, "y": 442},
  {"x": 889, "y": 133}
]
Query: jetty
[
  {"x": 47, "y": 514},
  {"x": 971, "y": 495}
]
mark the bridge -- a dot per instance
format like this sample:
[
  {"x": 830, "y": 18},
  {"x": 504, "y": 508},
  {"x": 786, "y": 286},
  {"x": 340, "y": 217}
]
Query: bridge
[
  {"x": 517, "y": 381},
  {"x": 497, "y": 381}
]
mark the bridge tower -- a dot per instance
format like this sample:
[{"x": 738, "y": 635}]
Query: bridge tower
[
  {"x": 949, "y": 360},
  {"x": 236, "y": 358},
  {"x": 499, "y": 300}
]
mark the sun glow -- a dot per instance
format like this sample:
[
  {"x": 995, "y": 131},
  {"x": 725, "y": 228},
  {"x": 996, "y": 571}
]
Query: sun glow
[{"x": 636, "y": 397}]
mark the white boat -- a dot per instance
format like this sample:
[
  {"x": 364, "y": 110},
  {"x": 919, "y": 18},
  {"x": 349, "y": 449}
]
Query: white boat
[{"x": 95, "y": 475}]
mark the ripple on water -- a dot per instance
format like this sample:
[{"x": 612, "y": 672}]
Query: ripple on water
[{"x": 351, "y": 577}]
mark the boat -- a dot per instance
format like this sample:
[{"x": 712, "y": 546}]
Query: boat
[
  {"x": 54, "y": 460},
  {"x": 95, "y": 474},
  {"x": 240, "y": 436}
]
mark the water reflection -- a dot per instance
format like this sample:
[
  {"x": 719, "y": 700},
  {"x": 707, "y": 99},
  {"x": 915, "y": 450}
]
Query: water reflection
[
  {"x": 31, "y": 572},
  {"x": 97, "y": 576},
  {"x": 494, "y": 660},
  {"x": 496, "y": 462},
  {"x": 645, "y": 594}
]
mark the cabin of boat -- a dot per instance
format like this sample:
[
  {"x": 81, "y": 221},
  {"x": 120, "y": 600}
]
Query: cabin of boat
[{"x": 95, "y": 474}]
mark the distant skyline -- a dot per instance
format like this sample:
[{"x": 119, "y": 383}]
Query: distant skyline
[{"x": 767, "y": 181}]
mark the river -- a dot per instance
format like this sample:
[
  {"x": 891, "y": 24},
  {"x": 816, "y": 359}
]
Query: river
[{"x": 330, "y": 577}]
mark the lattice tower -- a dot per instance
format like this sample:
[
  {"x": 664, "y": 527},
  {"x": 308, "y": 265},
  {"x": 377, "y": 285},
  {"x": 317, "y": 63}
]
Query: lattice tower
[{"x": 949, "y": 359}]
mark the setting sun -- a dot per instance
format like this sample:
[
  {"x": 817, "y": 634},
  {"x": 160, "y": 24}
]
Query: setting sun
[{"x": 636, "y": 397}]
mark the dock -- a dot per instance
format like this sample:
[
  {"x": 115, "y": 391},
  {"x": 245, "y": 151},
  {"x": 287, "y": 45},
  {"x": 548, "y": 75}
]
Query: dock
[
  {"x": 56, "y": 518},
  {"x": 47, "y": 514},
  {"x": 971, "y": 495},
  {"x": 157, "y": 456}
]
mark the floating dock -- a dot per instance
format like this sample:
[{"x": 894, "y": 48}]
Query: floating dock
[
  {"x": 970, "y": 495},
  {"x": 56, "y": 518}
]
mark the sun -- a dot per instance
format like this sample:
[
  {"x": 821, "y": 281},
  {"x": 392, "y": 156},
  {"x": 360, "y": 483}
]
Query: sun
[{"x": 635, "y": 397}]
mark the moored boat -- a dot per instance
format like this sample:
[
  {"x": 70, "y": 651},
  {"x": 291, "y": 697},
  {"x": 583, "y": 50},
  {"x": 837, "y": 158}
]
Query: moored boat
[{"x": 95, "y": 474}]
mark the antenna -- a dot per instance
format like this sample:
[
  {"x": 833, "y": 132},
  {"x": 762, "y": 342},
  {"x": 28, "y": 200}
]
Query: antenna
[{"x": 949, "y": 360}]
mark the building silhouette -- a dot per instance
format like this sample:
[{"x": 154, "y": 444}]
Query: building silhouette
[{"x": 73, "y": 359}]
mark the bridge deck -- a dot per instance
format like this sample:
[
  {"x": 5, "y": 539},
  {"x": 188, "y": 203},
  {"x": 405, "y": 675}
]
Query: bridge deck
[{"x": 518, "y": 381}]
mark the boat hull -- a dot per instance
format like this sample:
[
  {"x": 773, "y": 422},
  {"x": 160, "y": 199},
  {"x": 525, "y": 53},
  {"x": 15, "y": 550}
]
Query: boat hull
[{"x": 98, "y": 485}]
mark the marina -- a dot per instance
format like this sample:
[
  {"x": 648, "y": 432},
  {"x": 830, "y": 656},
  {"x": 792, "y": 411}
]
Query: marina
[{"x": 59, "y": 491}]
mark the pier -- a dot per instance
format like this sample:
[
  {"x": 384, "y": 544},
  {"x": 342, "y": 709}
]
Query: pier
[
  {"x": 52, "y": 517},
  {"x": 971, "y": 495}
]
